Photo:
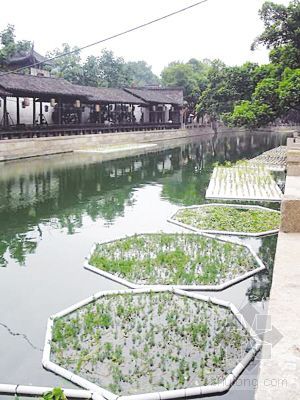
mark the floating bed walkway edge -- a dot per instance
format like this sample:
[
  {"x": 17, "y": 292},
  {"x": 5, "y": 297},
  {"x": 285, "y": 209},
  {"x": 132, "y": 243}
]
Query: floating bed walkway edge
[{"x": 28, "y": 390}]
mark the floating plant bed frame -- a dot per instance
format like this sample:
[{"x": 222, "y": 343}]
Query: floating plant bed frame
[
  {"x": 224, "y": 178},
  {"x": 217, "y": 287},
  {"x": 192, "y": 228},
  {"x": 274, "y": 159},
  {"x": 168, "y": 394}
]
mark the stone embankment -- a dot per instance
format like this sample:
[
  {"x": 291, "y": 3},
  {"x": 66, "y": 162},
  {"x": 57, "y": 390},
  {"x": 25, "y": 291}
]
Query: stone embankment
[{"x": 12, "y": 149}]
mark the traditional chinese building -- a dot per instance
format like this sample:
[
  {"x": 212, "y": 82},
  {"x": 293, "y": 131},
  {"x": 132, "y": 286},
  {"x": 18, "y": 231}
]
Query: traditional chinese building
[
  {"x": 37, "y": 102},
  {"x": 35, "y": 62}
]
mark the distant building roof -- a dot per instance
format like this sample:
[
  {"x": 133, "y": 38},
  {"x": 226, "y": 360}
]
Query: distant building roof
[
  {"x": 158, "y": 95},
  {"x": 110, "y": 95},
  {"x": 25, "y": 58},
  {"x": 38, "y": 86}
]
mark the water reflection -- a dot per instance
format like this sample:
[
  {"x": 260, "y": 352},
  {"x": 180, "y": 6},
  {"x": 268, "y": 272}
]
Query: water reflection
[
  {"x": 60, "y": 195},
  {"x": 262, "y": 282}
]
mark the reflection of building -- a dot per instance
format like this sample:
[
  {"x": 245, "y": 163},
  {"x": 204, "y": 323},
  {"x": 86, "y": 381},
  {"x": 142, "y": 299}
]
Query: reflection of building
[{"x": 35, "y": 102}]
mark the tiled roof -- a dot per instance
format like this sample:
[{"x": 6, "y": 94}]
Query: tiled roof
[
  {"x": 4, "y": 92},
  {"x": 158, "y": 95},
  {"x": 38, "y": 85},
  {"x": 112, "y": 95}
]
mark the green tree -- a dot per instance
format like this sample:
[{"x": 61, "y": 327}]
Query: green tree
[
  {"x": 112, "y": 70},
  {"x": 226, "y": 86},
  {"x": 289, "y": 90},
  {"x": 281, "y": 33},
  {"x": 251, "y": 114},
  {"x": 281, "y": 25},
  {"x": 277, "y": 90},
  {"x": 68, "y": 66},
  {"x": 285, "y": 56},
  {"x": 191, "y": 76},
  {"x": 266, "y": 92},
  {"x": 141, "y": 74},
  {"x": 91, "y": 72},
  {"x": 182, "y": 75}
]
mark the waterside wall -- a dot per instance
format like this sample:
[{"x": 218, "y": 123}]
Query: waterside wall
[{"x": 11, "y": 149}]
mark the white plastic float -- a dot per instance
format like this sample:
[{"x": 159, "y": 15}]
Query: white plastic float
[
  {"x": 27, "y": 390},
  {"x": 168, "y": 394}
]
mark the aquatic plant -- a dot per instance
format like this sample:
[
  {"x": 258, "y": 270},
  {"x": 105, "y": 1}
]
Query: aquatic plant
[
  {"x": 165, "y": 341},
  {"x": 243, "y": 180},
  {"x": 55, "y": 394},
  {"x": 230, "y": 219},
  {"x": 180, "y": 259}
]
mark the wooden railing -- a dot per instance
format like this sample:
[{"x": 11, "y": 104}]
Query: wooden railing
[{"x": 31, "y": 131}]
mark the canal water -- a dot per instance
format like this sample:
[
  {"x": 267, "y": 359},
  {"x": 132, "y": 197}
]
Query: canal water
[{"x": 52, "y": 210}]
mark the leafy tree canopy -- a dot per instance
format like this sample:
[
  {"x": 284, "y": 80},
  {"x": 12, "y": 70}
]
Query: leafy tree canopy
[
  {"x": 106, "y": 70},
  {"x": 289, "y": 90},
  {"x": 252, "y": 114},
  {"x": 277, "y": 91},
  {"x": 282, "y": 25},
  {"x": 141, "y": 73},
  {"x": 226, "y": 85},
  {"x": 191, "y": 76},
  {"x": 69, "y": 66}
]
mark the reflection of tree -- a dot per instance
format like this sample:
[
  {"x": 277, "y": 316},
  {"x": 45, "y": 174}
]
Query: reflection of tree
[
  {"x": 196, "y": 163},
  {"x": 18, "y": 247},
  {"x": 3, "y": 248},
  {"x": 262, "y": 282},
  {"x": 62, "y": 196}
]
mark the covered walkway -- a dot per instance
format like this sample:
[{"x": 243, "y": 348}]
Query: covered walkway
[{"x": 34, "y": 106}]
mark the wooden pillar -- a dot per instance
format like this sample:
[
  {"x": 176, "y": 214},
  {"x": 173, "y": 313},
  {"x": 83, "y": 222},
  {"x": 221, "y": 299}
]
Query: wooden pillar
[
  {"x": 4, "y": 111},
  {"x": 33, "y": 111},
  {"x": 80, "y": 114},
  {"x": 41, "y": 112},
  {"x": 18, "y": 111},
  {"x": 59, "y": 110}
]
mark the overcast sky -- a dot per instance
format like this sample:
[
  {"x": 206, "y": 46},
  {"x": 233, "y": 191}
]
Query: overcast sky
[{"x": 221, "y": 29}]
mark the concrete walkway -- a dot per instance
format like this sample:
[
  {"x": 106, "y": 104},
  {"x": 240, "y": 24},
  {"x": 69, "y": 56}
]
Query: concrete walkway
[{"x": 279, "y": 377}]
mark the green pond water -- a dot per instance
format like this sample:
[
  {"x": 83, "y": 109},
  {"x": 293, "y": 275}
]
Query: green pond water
[{"x": 52, "y": 210}]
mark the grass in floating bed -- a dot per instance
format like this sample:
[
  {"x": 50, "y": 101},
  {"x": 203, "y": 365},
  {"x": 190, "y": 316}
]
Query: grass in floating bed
[
  {"x": 174, "y": 259},
  {"x": 243, "y": 180},
  {"x": 231, "y": 219},
  {"x": 146, "y": 342}
]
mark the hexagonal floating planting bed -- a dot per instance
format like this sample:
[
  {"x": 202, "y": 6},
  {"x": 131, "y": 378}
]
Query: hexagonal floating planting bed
[
  {"x": 188, "y": 261},
  {"x": 143, "y": 344},
  {"x": 229, "y": 219}
]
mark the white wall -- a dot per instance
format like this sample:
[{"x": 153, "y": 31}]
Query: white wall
[
  {"x": 137, "y": 113},
  {"x": 25, "y": 113}
]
